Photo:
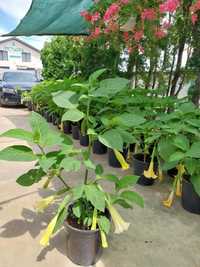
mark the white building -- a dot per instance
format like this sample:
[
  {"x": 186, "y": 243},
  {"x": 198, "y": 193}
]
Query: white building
[{"x": 16, "y": 54}]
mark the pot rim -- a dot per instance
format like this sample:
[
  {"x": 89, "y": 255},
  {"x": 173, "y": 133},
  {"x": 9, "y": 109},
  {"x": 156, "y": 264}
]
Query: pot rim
[{"x": 80, "y": 230}]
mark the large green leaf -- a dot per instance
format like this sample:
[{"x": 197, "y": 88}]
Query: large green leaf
[
  {"x": 53, "y": 138},
  {"x": 111, "y": 178},
  {"x": 126, "y": 181},
  {"x": 69, "y": 164},
  {"x": 74, "y": 115},
  {"x": 95, "y": 196},
  {"x": 112, "y": 139},
  {"x": 31, "y": 177},
  {"x": 194, "y": 151},
  {"x": 130, "y": 120},
  {"x": 94, "y": 76},
  {"x": 64, "y": 99},
  {"x": 110, "y": 87},
  {"x": 166, "y": 148},
  {"x": 133, "y": 197},
  {"x": 77, "y": 192},
  {"x": 19, "y": 134},
  {"x": 177, "y": 156},
  {"x": 17, "y": 153},
  {"x": 182, "y": 142}
]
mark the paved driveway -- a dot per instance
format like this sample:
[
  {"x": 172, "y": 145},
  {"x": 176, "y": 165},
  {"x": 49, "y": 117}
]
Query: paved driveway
[{"x": 158, "y": 237}]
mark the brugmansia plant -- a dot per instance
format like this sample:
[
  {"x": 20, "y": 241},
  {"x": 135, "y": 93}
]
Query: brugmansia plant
[{"x": 86, "y": 206}]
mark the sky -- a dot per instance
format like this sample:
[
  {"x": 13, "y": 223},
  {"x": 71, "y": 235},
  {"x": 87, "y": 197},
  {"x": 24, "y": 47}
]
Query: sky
[{"x": 11, "y": 12}]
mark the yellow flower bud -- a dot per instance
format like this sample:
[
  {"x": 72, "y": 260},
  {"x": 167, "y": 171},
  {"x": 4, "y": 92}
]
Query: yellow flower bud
[
  {"x": 48, "y": 232},
  {"x": 103, "y": 240},
  {"x": 41, "y": 205},
  {"x": 122, "y": 161}
]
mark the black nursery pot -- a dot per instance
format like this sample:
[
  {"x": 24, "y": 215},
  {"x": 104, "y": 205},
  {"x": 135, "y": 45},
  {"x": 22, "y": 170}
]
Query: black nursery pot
[
  {"x": 112, "y": 160},
  {"x": 99, "y": 148},
  {"x": 75, "y": 132},
  {"x": 190, "y": 199},
  {"x": 139, "y": 166},
  {"x": 67, "y": 127},
  {"x": 84, "y": 140},
  {"x": 83, "y": 246},
  {"x": 49, "y": 118}
]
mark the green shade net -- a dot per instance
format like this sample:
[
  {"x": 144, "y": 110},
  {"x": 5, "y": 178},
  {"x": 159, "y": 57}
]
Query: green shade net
[{"x": 54, "y": 17}]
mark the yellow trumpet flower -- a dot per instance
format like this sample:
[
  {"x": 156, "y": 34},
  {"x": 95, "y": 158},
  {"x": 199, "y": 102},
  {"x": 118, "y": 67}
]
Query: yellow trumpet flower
[
  {"x": 122, "y": 161},
  {"x": 41, "y": 205},
  {"x": 61, "y": 126},
  {"x": 181, "y": 169},
  {"x": 94, "y": 220},
  {"x": 168, "y": 203},
  {"x": 178, "y": 188},
  {"x": 48, "y": 232},
  {"x": 150, "y": 172},
  {"x": 103, "y": 239},
  {"x": 119, "y": 223}
]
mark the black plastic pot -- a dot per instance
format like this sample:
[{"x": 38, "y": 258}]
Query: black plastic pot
[
  {"x": 75, "y": 132},
  {"x": 67, "y": 127},
  {"x": 99, "y": 148},
  {"x": 132, "y": 147},
  {"x": 83, "y": 246},
  {"x": 84, "y": 140},
  {"x": 190, "y": 199},
  {"x": 112, "y": 160},
  {"x": 139, "y": 166},
  {"x": 49, "y": 118}
]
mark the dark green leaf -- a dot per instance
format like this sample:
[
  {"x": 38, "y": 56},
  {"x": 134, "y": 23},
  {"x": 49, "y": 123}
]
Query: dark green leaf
[
  {"x": 31, "y": 177},
  {"x": 112, "y": 139}
]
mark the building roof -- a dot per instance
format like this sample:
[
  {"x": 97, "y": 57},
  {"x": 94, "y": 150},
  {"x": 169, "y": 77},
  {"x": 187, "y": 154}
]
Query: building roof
[{"x": 20, "y": 41}]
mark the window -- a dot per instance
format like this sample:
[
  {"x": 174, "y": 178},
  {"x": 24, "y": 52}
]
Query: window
[
  {"x": 26, "y": 57},
  {"x": 3, "y": 55}
]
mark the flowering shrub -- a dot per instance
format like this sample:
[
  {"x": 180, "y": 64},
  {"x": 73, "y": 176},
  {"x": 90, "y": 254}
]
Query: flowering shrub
[{"x": 131, "y": 22}]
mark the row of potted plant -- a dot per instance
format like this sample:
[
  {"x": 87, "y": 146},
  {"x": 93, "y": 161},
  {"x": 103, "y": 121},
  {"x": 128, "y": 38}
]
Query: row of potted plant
[{"x": 135, "y": 125}]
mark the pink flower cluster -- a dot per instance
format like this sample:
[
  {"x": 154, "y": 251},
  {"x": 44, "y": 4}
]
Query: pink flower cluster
[
  {"x": 148, "y": 14},
  {"x": 194, "y": 9},
  {"x": 160, "y": 33},
  {"x": 169, "y": 6},
  {"x": 138, "y": 35},
  {"x": 111, "y": 11}
]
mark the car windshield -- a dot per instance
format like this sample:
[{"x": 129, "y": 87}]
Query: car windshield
[{"x": 19, "y": 77}]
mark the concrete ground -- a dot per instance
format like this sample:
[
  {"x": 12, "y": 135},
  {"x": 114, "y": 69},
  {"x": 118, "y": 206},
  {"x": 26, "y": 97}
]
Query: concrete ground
[{"x": 158, "y": 237}]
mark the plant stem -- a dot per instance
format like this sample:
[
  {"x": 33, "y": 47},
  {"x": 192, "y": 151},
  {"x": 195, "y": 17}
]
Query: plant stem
[{"x": 63, "y": 181}]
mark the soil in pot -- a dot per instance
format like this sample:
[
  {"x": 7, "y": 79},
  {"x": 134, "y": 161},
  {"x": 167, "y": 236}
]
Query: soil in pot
[
  {"x": 84, "y": 140},
  {"x": 67, "y": 127},
  {"x": 139, "y": 166},
  {"x": 75, "y": 131},
  {"x": 99, "y": 148},
  {"x": 190, "y": 199},
  {"x": 112, "y": 160}
]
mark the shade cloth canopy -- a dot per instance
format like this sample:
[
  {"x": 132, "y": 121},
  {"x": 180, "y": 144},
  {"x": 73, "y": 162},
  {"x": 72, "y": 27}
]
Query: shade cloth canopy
[{"x": 54, "y": 17}]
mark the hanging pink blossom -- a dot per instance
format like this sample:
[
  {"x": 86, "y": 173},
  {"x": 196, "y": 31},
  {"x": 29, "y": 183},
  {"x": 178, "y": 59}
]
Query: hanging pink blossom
[
  {"x": 141, "y": 49},
  {"x": 169, "y": 6},
  {"x": 148, "y": 14},
  {"x": 138, "y": 35},
  {"x": 111, "y": 11},
  {"x": 126, "y": 36},
  {"x": 95, "y": 17},
  {"x": 160, "y": 33},
  {"x": 194, "y": 18}
]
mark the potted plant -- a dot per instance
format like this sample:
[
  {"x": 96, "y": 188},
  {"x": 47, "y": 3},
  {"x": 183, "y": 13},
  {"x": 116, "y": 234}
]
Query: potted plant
[
  {"x": 85, "y": 209},
  {"x": 180, "y": 150}
]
